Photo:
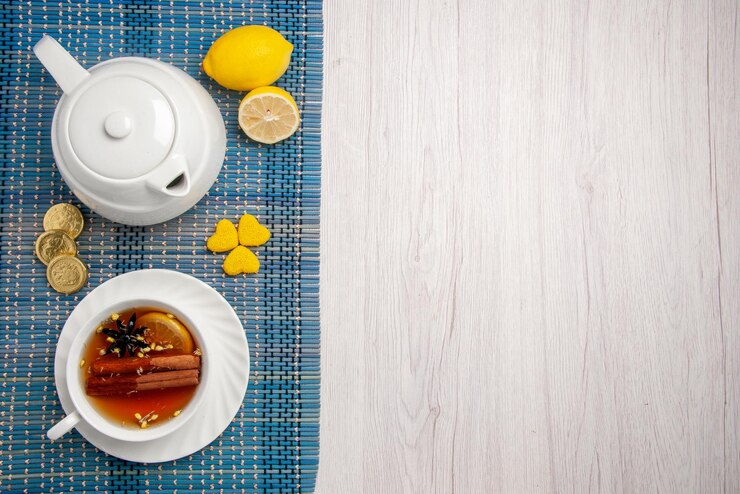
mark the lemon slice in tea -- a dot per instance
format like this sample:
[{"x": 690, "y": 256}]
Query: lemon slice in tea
[{"x": 164, "y": 330}]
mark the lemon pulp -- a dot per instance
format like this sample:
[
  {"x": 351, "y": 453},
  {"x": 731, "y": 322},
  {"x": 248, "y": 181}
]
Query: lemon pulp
[
  {"x": 164, "y": 330},
  {"x": 268, "y": 115}
]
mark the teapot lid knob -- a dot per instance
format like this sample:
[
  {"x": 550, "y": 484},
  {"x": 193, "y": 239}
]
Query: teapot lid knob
[{"x": 117, "y": 125}]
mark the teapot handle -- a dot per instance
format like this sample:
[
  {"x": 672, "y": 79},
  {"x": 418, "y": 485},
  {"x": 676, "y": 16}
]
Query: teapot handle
[
  {"x": 60, "y": 64},
  {"x": 171, "y": 177}
]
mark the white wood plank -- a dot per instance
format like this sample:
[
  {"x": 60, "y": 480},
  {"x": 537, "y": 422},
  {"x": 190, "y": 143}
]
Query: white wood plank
[
  {"x": 521, "y": 270},
  {"x": 724, "y": 140},
  {"x": 345, "y": 125}
]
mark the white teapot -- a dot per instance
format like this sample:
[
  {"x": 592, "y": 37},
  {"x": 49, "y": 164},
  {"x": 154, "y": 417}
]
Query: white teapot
[{"x": 137, "y": 140}]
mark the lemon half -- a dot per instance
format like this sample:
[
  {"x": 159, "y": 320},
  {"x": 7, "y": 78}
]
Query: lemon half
[
  {"x": 248, "y": 57},
  {"x": 268, "y": 115}
]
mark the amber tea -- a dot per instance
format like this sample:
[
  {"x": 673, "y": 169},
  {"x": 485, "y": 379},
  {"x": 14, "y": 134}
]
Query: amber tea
[{"x": 141, "y": 367}]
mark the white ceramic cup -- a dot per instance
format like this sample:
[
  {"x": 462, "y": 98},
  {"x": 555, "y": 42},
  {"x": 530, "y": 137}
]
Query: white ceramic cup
[{"x": 84, "y": 410}]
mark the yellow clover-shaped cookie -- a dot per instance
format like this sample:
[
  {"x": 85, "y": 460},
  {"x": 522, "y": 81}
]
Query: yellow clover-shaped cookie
[{"x": 227, "y": 238}]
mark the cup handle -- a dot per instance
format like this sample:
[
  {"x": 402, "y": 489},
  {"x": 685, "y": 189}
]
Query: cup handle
[{"x": 63, "y": 426}]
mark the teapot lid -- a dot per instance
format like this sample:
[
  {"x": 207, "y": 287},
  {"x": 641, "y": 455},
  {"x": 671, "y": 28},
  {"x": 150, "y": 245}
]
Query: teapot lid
[{"x": 120, "y": 127}]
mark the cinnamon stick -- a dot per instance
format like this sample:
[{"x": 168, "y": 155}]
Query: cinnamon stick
[
  {"x": 128, "y": 383},
  {"x": 135, "y": 365}
]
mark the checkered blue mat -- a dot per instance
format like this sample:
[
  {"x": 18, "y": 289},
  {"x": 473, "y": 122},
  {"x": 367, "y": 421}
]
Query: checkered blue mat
[{"x": 273, "y": 443}]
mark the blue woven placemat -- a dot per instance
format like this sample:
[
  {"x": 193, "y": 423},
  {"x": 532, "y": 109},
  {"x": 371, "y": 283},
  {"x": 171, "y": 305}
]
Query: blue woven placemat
[{"x": 272, "y": 445}]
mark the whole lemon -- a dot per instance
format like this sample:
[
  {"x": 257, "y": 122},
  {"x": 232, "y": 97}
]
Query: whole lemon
[{"x": 248, "y": 57}]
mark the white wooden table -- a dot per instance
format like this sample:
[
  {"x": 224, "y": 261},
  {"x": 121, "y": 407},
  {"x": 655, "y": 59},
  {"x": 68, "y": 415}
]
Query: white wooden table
[{"x": 531, "y": 247}]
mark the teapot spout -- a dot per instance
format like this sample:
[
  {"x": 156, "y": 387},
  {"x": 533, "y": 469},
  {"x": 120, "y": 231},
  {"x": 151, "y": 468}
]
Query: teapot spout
[
  {"x": 171, "y": 177},
  {"x": 60, "y": 64}
]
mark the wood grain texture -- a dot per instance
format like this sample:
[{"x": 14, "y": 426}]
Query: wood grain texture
[
  {"x": 530, "y": 247},
  {"x": 724, "y": 141}
]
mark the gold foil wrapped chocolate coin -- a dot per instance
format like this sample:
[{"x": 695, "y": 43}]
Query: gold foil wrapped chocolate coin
[
  {"x": 53, "y": 244},
  {"x": 56, "y": 248},
  {"x": 65, "y": 217},
  {"x": 66, "y": 274}
]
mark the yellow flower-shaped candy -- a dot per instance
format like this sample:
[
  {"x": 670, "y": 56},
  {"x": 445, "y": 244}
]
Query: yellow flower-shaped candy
[
  {"x": 241, "y": 260},
  {"x": 225, "y": 238},
  {"x": 251, "y": 233}
]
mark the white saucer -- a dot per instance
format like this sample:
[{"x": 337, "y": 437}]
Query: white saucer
[{"x": 230, "y": 370}]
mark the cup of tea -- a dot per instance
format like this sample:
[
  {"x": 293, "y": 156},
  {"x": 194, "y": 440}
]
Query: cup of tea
[{"x": 136, "y": 371}]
